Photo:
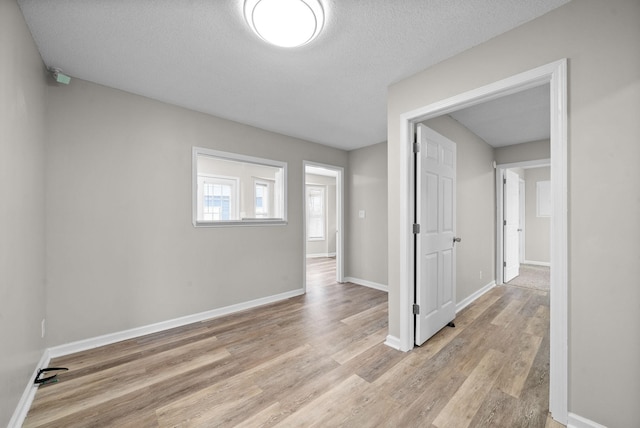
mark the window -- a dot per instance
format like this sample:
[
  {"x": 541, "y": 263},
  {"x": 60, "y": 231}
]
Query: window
[
  {"x": 219, "y": 198},
  {"x": 262, "y": 200},
  {"x": 315, "y": 213},
  {"x": 231, "y": 189}
]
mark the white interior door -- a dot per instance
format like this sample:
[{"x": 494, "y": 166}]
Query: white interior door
[
  {"x": 436, "y": 217},
  {"x": 511, "y": 225},
  {"x": 523, "y": 220}
]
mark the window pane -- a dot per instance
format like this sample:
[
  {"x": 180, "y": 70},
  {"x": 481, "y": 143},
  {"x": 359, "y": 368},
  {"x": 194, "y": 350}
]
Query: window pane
[
  {"x": 315, "y": 213},
  {"x": 262, "y": 199}
]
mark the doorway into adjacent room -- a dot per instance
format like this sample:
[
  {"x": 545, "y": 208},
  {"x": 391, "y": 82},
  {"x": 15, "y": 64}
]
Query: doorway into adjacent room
[
  {"x": 323, "y": 224},
  {"x": 523, "y": 223},
  {"x": 553, "y": 74}
]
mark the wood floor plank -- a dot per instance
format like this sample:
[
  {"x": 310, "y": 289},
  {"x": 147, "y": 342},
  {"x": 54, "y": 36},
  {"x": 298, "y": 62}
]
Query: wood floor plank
[
  {"x": 538, "y": 324},
  {"x": 352, "y": 403},
  {"x": 509, "y": 313},
  {"x": 518, "y": 365},
  {"x": 498, "y": 409},
  {"x": 366, "y": 316},
  {"x": 464, "y": 404},
  {"x": 323, "y": 408},
  {"x": 374, "y": 362},
  {"x": 218, "y": 407},
  {"x": 434, "y": 397},
  {"x": 472, "y": 312},
  {"x": 316, "y": 360},
  {"x": 265, "y": 418},
  {"x": 357, "y": 348}
]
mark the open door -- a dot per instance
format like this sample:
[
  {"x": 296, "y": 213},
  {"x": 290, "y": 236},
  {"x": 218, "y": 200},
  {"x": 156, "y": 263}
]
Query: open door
[
  {"x": 511, "y": 234},
  {"x": 435, "y": 233},
  {"x": 523, "y": 220}
]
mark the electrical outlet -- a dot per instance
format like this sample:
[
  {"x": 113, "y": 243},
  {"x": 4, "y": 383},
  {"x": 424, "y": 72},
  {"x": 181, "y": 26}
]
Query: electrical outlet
[{"x": 42, "y": 327}]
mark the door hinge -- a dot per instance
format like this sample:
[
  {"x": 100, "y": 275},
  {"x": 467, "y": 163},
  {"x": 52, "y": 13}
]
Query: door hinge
[
  {"x": 416, "y": 229},
  {"x": 416, "y": 147},
  {"x": 504, "y": 264},
  {"x": 504, "y": 222},
  {"x": 504, "y": 180},
  {"x": 416, "y": 309}
]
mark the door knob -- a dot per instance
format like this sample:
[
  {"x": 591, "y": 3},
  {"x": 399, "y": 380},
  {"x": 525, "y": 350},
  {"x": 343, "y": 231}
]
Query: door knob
[{"x": 456, "y": 239}]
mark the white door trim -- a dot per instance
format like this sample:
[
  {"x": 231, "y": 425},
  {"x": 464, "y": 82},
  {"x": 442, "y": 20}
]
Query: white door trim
[
  {"x": 339, "y": 223},
  {"x": 554, "y": 73}
]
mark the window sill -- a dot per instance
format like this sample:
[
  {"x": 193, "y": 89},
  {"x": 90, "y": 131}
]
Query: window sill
[{"x": 234, "y": 223}]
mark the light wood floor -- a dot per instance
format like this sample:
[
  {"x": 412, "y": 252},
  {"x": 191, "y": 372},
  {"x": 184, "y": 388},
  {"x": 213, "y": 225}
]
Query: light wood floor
[{"x": 316, "y": 360}]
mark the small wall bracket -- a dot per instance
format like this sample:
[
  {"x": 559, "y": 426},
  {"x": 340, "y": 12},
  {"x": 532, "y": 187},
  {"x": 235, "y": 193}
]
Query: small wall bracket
[{"x": 59, "y": 76}]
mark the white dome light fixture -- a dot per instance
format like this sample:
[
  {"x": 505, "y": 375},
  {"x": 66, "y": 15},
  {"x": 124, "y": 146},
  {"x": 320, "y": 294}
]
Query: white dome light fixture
[{"x": 285, "y": 23}]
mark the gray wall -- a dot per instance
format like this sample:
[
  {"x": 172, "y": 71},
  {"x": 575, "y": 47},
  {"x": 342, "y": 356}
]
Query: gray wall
[
  {"x": 22, "y": 293},
  {"x": 600, "y": 40},
  {"x": 534, "y": 150},
  {"x": 366, "y": 249},
  {"x": 475, "y": 207},
  {"x": 327, "y": 245},
  {"x": 121, "y": 249},
  {"x": 537, "y": 229}
]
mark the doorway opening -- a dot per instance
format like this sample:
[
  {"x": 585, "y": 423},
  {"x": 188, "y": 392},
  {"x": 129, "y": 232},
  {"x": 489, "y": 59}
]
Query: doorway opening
[
  {"x": 554, "y": 74},
  {"x": 532, "y": 208},
  {"x": 323, "y": 219}
]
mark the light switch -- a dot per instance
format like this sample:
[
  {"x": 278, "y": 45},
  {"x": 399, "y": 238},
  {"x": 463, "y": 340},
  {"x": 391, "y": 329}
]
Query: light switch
[{"x": 361, "y": 214}]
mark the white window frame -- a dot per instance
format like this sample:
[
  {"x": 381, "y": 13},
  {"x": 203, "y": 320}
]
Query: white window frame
[
  {"x": 269, "y": 184},
  {"x": 323, "y": 215},
  {"x": 279, "y": 209},
  {"x": 234, "y": 182}
]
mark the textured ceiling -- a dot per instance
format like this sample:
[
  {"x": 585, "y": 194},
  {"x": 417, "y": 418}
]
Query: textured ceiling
[
  {"x": 514, "y": 119},
  {"x": 200, "y": 54}
]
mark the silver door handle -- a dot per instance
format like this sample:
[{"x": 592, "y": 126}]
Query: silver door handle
[{"x": 456, "y": 239}]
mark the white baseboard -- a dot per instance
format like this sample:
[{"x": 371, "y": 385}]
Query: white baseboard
[
  {"x": 28, "y": 395},
  {"x": 535, "y": 263},
  {"x": 393, "y": 342},
  {"x": 107, "y": 339},
  {"x": 466, "y": 302},
  {"x": 320, "y": 255},
  {"x": 576, "y": 421},
  {"x": 367, "y": 283}
]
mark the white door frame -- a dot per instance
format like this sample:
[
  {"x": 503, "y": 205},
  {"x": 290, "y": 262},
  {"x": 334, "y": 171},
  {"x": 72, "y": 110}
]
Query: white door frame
[
  {"x": 555, "y": 74},
  {"x": 339, "y": 221},
  {"x": 500, "y": 169}
]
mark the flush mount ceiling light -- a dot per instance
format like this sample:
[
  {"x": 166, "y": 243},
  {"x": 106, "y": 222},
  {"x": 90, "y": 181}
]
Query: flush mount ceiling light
[{"x": 285, "y": 23}]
